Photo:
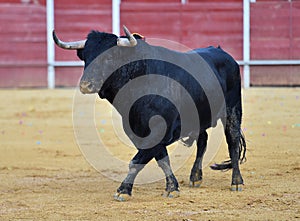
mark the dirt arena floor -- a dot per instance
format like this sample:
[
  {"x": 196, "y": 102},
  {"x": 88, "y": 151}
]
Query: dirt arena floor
[{"x": 44, "y": 176}]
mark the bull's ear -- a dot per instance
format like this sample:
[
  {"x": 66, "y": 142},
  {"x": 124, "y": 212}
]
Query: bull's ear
[
  {"x": 138, "y": 36},
  {"x": 80, "y": 54}
]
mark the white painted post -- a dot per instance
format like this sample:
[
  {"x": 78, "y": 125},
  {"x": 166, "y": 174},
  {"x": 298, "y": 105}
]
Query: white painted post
[
  {"x": 116, "y": 17},
  {"x": 50, "y": 44},
  {"x": 246, "y": 42}
]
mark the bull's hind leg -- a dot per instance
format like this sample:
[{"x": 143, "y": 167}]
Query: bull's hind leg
[
  {"x": 233, "y": 138},
  {"x": 163, "y": 161},
  {"x": 196, "y": 172}
]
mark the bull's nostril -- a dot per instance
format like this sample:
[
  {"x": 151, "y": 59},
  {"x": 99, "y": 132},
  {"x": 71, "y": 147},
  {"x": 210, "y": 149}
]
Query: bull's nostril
[
  {"x": 85, "y": 87},
  {"x": 84, "y": 84}
]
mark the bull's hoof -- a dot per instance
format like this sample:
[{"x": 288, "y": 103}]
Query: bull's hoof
[
  {"x": 195, "y": 184},
  {"x": 173, "y": 194},
  {"x": 236, "y": 187},
  {"x": 121, "y": 197}
]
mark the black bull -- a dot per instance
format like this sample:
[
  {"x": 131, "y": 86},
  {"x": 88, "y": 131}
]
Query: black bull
[{"x": 172, "y": 95}]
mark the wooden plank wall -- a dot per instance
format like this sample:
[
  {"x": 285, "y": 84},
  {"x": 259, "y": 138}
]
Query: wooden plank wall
[
  {"x": 23, "y": 58},
  {"x": 73, "y": 21},
  {"x": 275, "y": 33},
  {"x": 23, "y": 51},
  {"x": 198, "y": 24}
]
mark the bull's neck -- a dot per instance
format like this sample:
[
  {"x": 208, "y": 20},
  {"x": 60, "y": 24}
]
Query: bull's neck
[{"x": 120, "y": 78}]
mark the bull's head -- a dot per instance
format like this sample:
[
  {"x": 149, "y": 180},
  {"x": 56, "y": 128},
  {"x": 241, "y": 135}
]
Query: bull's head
[{"x": 91, "y": 48}]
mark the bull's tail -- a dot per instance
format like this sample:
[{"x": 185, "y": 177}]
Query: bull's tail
[{"x": 227, "y": 165}]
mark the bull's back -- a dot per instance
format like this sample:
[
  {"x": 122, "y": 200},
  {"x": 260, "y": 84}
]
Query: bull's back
[{"x": 223, "y": 65}]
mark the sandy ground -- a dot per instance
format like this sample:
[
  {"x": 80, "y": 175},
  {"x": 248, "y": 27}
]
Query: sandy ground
[{"x": 43, "y": 174}]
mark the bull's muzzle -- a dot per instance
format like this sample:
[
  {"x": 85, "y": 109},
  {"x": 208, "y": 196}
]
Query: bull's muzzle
[{"x": 86, "y": 87}]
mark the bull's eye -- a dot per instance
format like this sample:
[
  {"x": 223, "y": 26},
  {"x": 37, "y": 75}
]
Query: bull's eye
[{"x": 80, "y": 54}]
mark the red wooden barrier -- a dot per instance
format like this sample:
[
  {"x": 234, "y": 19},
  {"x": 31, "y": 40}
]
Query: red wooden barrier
[
  {"x": 275, "y": 33},
  {"x": 73, "y": 22},
  {"x": 194, "y": 24},
  {"x": 23, "y": 51}
]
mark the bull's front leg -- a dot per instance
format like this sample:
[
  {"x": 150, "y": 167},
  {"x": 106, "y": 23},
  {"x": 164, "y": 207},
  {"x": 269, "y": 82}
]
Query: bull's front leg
[
  {"x": 137, "y": 163},
  {"x": 125, "y": 189}
]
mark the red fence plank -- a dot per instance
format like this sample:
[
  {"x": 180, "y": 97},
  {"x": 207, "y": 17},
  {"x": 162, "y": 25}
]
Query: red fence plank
[
  {"x": 143, "y": 18},
  {"x": 68, "y": 76},
  {"x": 275, "y": 75},
  {"x": 295, "y": 30},
  {"x": 194, "y": 25},
  {"x": 23, "y": 76},
  {"x": 23, "y": 32},
  {"x": 275, "y": 33},
  {"x": 205, "y": 24},
  {"x": 73, "y": 22},
  {"x": 275, "y": 30},
  {"x": 23, "y": 29}
]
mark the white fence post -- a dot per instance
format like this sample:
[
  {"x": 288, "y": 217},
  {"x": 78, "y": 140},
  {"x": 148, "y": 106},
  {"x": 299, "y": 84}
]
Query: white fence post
[
  {"x": 246, "y": 42},
  {"x": 116, "y": 17},
  {"x": 50, "y": 44}
]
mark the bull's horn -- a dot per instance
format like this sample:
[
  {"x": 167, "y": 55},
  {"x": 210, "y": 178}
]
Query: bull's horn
[
  {"x": 68, "y": 45},
  {"x": 130, "y": 36},
  {"x": 130, "y": 41}
]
